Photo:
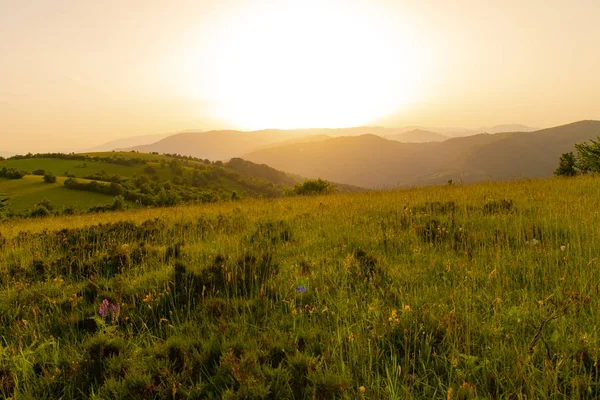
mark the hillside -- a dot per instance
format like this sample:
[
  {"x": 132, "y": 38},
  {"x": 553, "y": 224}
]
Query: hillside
[
  {"x": 141, "y": 178},
  {"x": 382, "y": 295},
  {"x": 148, "y": 179},
  {"x": 25, "y": 193},
  {"x": 417, "y": 136},
  {"x": 369, "y": 161}
]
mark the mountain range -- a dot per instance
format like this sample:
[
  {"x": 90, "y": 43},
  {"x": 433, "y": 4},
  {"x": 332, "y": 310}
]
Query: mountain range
[
  {"x": 378, "y": 157},
  {"x": 226, "y": 144},
  {"x": 375, "y": 162}
]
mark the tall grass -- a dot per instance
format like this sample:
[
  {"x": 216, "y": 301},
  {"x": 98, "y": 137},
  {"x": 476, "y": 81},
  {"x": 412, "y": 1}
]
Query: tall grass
[{"x": 482, "y": 291}]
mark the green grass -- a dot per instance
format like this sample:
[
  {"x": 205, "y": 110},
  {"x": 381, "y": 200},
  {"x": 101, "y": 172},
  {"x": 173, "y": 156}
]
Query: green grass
[
  {"x": 76, "y": 167},
  {"x": 27, "y": 192},
  {"x": 436, "y": 293}
]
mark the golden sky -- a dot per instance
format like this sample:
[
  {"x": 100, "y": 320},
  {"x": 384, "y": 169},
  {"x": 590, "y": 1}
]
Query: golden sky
[{"x": 75, "y": 74}]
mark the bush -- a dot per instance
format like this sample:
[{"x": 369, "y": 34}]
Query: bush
[
  {"x": 119, "y": 203},
  {"x": 40, "y": 211},
  {"x": 49, "y": 178},
  {"x": 12, "y": 173},
  {"x": 39, "y": 172},
  {"x": 312, "y": 187}
]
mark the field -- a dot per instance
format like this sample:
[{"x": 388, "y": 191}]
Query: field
[
  {"x": 27, "y": 192},
  {"x": 450, "y": 292}
]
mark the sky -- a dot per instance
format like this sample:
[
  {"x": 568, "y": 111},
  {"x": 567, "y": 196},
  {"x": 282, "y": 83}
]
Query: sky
[{"x": 75, "y": 74}]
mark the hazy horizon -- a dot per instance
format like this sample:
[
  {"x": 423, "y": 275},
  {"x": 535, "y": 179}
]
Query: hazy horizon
[{"x": 80, "y": 74}]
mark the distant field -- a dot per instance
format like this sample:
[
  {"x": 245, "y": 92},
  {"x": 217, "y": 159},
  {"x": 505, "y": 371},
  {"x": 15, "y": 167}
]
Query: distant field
[
  {"x": 449, "y": 292},
  {"x": 27, "y": 192},
  {"x": 75, "y": 167}
]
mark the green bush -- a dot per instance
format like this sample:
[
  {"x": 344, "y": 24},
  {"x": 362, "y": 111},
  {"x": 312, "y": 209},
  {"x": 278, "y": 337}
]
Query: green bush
[
  {"x": 312, "y": 187},
  {"x": 49, "y": 178}
]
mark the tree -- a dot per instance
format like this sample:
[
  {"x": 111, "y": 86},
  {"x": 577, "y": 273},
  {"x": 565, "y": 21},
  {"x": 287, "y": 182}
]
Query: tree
[
  {"x": 49, "y": 178},
  {"x": 588, "y": 156},
  {"x": 566, "y": 165}
]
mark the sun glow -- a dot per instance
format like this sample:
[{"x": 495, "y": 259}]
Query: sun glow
[{"x": 307, "y": 64}]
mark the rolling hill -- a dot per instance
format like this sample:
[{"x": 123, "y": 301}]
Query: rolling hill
[
  {"x": 146, "y": 179},
  {"x": 375, "y": 162}
]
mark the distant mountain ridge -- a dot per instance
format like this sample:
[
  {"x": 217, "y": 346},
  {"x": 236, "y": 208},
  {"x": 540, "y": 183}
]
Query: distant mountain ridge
[
  {"x": 226, "y": 144},
  {"x": 127, "y": 142},
  {"x": 418, "y": 136},
  {"x": 375, "y": 162}
]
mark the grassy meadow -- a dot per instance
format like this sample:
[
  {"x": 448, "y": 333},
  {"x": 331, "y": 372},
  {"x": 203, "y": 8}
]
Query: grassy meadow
[
  {"x": 25, "y": 193},
  {"x": 449, "y": 292}
]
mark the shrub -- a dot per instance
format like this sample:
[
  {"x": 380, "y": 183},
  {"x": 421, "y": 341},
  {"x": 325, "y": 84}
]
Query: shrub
[
  {"x": 39, "y": 212},
  {"x": 312, "y": 187},
  {"x": 39, "y": 172},
  {"x": 119, "y": 203},
  {"x": 49, "y": 178},
  {"x": 12, "y": 173}
]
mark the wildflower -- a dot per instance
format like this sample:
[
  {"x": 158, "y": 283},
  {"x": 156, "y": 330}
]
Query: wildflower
[
  {"x": 407, "y": 308},
  {"x": 301, "y": 285},
  {"x": 301, "y": 289},
  {"x": 362, "y": 389},
  {"x": 104, "y": 308},
  {"x": 115, "y": 310},
  {"x": 563, "y": 248}
]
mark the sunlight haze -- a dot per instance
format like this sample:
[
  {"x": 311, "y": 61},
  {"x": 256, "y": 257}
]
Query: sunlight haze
[{"x": 74, "y": 75}]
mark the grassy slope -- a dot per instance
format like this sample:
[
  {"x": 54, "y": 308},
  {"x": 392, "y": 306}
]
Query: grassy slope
[
  {"x": 403, "y": 299},
  {"x": 34, "y": 193},
  {"x": 27, "y": 192}
]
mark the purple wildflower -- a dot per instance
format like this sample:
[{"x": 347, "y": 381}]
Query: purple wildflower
[
  {"x": 301, "y": 289},
  {"x": 114, "y": 309},
  {"x": 104, "y": 308}
]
